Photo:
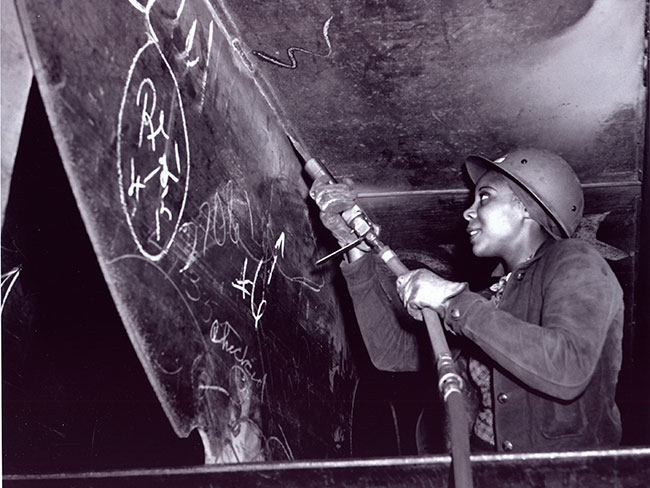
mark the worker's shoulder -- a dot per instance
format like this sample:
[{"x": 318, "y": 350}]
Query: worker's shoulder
[
  {"x": 576, "y": 254},
  {"x": 574, "y": 246},
  {"x": 572, "y": 254}
]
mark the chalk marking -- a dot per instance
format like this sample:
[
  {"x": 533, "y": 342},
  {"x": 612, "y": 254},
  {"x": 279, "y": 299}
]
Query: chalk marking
[
  {"x": 207, "y": 305},
  {"x": 180, "y": 10},
  {"x": 160, "y": 130},
  {"x": 178, "y": 157},
  {"x": 272, "y": 104},
  {"x": 136, "y": 185},
  {"x": 11, "y": 277},
  {"x": 207, "y": 225},
  {"x": 223, "y": 226},
  {"x": 189, "y": 43},
  {"x": 290, "y": 51},
  {"x": 151, "y": 175},
  {"x": 222, "y": 333},
  {"x": 243, "y": 284},
  {"x": 171, "y": 373},
  {"x": 279, "y": 246},
  {"x": 215, "y": 388},
  {"x": 236, "y": 45},
  {"x": 193, "y": 256},
  {"x": 259, "y": 312},
  {"x": 286, "y": 442},
  {"x": 165, "y": 174},
  {"x": 146, "y": 119},
  {"x": 301, "y": 280},
  {"x": 157, "y": 215},
  {"x": 146, "y": 116},
  {"x": 195, "y": 282},
  {"x": 204, "y": 80},
  {"x": 142, "y": 8},
  {"x": 287, "y": 453}
]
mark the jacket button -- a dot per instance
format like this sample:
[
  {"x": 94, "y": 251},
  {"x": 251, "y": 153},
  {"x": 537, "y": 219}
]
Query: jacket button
[
  {"x": 520, "y": 276},
  {"x": 502, "y": 398},
  {"x": 455, "y": 313},
  {"x": 507, "y": 446}
]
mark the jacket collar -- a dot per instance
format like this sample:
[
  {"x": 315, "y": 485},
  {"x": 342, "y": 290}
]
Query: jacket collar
[{"x": 541, "y": 250}]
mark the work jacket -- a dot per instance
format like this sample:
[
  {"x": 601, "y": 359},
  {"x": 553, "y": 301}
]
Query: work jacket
[{"x": 554, "y": 343}]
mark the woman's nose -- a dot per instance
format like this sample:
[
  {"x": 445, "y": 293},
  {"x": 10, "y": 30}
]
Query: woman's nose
[{"x": 470, "y": 213}]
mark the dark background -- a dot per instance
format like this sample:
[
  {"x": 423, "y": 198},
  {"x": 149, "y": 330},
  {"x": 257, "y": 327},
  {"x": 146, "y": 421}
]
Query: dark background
[{"x": 74, "y": 394}]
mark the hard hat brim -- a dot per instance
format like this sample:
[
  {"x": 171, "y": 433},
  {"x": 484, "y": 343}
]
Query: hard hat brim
[{"x": 477, "y": 166}]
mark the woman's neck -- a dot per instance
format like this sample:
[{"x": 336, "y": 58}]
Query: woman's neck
[{"x": 526, "y": 251}]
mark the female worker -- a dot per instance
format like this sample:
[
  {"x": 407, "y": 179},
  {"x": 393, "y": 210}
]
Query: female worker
[{"x": 546, "y": 337}]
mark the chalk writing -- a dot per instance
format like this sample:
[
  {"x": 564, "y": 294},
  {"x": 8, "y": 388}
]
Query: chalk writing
[
  {"x": 142, "y": 8},
  {"x": 218, "y": 223},
  {"x": 155, "y": 157},
  {"x": 189, "y": 41},
  {"x": 153, "y": 168},
  {"x": 192, "y": 55},
  {"x": 248, "y": 288},
  {"x": 279, "y": 248},
  {"x": 148, "y": 114},
  {"x": 252, "y": 290},
  {"x": 293, "y": 64},
  {"x": 221, "y": 220},
  {"x": 223, "y": 334},
  {"x": 194, "y": 295}
]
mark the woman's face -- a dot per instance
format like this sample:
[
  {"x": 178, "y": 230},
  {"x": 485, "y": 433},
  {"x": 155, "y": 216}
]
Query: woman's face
[{"x": 495, "y": 221}]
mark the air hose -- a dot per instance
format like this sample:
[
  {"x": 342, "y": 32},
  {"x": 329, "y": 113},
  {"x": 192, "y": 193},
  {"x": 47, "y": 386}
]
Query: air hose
[{"x": 449, "y": 381}]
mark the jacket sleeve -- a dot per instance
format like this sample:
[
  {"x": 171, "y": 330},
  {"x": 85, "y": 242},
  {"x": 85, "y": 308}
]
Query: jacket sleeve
[
  {"x": 390, "y": 346},
  {"x": 580, "y": 298}
]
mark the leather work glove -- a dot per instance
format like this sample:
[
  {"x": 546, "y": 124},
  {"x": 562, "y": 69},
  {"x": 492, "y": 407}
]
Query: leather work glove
[
  {"x": 423, "y": 288},
  {"x": 332, "y": 199}
]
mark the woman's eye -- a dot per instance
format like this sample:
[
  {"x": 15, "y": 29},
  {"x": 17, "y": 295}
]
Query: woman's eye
[{"x": 483, "y": 197}]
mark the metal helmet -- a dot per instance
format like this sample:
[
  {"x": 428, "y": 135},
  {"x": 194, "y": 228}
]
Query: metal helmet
[{"x": 547, "y": 177}]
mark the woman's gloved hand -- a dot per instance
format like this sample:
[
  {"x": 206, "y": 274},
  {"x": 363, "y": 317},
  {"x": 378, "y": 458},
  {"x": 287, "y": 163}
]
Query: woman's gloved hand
[
  {"x": 332, "y": 199},
  {"x": 423, "y": 288}
]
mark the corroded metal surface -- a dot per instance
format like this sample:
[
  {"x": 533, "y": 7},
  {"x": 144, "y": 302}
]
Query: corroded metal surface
[{"x": 396, "y": 94}]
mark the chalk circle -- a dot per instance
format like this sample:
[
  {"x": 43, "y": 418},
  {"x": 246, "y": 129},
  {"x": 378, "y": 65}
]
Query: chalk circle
[{"x": 153, "y": 208}]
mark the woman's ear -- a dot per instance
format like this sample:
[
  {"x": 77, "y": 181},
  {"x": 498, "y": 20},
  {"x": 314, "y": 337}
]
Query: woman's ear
[{"x": 522, "y": 207}]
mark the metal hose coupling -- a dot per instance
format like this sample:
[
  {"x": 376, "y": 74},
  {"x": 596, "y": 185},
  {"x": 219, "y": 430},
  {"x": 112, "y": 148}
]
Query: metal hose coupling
[{"x": 449, "y": 381}]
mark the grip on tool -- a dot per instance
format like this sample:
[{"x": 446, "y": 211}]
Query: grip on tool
[{"x": 314, "y": 169}]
